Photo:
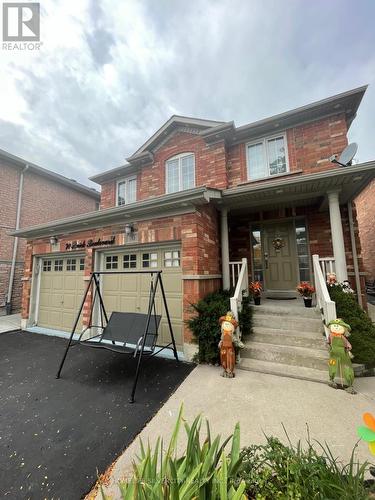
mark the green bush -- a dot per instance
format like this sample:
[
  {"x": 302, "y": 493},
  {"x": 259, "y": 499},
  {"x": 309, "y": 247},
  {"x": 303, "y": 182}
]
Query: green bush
[
  {"x": 203, "y": 470},
  {"x": 205, "y": 324},
  {"x": 362, "y": 335},
  {"x": 276, "y": 471}
]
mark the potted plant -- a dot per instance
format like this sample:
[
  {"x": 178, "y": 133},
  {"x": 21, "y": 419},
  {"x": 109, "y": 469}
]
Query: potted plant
[
  {"x": 255, "y": 290},
  {"x": 306, "y": 290}
]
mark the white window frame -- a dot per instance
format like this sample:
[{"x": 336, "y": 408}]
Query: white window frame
[
  {"x": 178, "y": 157},
  {"x": 263, "y": 141},
  {"x": 126, "y": 181}
]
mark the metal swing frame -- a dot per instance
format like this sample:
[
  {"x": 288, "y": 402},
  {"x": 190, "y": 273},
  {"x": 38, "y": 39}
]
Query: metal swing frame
[{"x": 139, "y": 349}]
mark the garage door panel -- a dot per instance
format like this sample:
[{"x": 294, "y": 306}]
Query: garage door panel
[
  {"x": 70, "y": 282},
  {"x": 128, "y": 304},
  {"x": 56, "y": 300},
  {"x": 172, "y": 283},
  {"x": 174, "y": 307},
  {"x": 70, "y": 301},
  {"x": 177, "y": 332}
]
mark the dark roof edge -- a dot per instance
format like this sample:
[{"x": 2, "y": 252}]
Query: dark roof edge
[{"x": 77, "y": 186}]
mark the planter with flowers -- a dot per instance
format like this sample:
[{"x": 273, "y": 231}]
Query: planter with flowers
[
  {"x": 306, "y": 290},
  {"x": 255, "y": 290}
]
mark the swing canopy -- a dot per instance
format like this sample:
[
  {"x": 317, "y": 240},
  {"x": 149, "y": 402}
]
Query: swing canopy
[{"x": 124, "y": 332}]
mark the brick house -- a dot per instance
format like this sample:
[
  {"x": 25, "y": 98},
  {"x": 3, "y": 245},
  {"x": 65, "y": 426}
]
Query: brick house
[
  {"x": 365, "y": 204},
  {"x": 31, "y": 195},
  {"x": 198, "y": 195}
]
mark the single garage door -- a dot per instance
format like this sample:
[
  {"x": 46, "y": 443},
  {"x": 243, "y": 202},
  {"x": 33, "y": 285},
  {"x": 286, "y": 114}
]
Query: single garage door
[
  {"x": 131, "y": 293},
  {"x": 61, "y": 291}
]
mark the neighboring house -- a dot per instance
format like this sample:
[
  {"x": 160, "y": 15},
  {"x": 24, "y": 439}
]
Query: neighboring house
[
  {"x": 365, "y": 204},
  {"x": 196, "y": 195},
  {"x": 31, "y": 195}
]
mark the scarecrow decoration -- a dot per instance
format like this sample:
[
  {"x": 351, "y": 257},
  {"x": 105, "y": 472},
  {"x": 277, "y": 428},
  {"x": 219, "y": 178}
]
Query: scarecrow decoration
[
  {"x": 367, "y": 432},
  {"x": 340, "y": 363},
  {"x": 227, "y": 350}
]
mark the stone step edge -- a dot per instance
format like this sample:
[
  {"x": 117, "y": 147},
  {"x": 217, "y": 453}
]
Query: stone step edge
[
  {"x": 262, "y": 338},
  {"x": 305, "y": 351},
  {"x": 280, "y": 372}
]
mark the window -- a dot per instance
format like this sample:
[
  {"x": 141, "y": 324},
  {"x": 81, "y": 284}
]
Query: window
[
  {"x": 149, "y": 260},
  {"x": 126, "y": 191},
  {"x": 58, "y": 265},
  {"x": 111, "y": 262},
  {"x": 180, "y": 173},
  {"x": 71, "y": 264},
  {"x": 302, "y": 251},
  {"x": 256, "y": 243},
  {"x": 81, "y": 264},
  {"x": 47, "y": 265},
  {"x": 130, "y": 261},
  {"x": 172, "y": 259},
  {"x": 267, "y": 157}
]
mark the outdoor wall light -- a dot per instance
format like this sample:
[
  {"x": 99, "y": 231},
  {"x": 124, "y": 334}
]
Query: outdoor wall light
[
  {"x": 129, "y": 228},
  {"x": 53, "y": 240}
]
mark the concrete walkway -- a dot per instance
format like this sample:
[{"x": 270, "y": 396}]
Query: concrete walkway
[
  {"x": 261, "y": 403},
  {"x": 10, "y": 323}
]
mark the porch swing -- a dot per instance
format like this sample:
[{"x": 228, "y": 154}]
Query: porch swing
[{"x": 131, "y": 333}]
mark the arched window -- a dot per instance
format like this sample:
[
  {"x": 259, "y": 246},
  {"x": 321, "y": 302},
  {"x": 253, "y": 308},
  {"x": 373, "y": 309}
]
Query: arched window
[{"x": 180, "y": 172}]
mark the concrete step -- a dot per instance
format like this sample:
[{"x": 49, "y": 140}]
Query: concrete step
[
  {"x": 288, "y": 355},
  {"x": 298, "y": 311},
  {"x": 279, "y": 331},
  {"x": 288, "y": 323},
  {"x": 311, "y": 340},
  {"x": 282, "y": 370}
]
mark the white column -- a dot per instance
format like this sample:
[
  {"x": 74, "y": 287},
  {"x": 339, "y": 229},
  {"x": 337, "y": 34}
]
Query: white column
[
  {"x": 337, "y": 236},
  {"x": 225, "y": 248}
]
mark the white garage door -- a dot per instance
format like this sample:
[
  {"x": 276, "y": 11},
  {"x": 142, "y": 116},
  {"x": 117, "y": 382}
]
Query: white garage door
[
  {"x": 130, "y": 293},
  {"x": 61, "y": 292}
]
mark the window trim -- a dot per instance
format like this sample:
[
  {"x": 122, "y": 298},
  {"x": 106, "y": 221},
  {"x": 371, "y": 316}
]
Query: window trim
[
  {"x": 263, "y": 141},
  {"x": 179, "y": 157},
  {"x": 126, "y": 180}
]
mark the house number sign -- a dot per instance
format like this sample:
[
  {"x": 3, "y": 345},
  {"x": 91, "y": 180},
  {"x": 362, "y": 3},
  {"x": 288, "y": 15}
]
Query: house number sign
[{"x": 74, "y": 245}]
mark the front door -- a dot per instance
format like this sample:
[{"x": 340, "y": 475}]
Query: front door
[{"x": 280, "y": 256}]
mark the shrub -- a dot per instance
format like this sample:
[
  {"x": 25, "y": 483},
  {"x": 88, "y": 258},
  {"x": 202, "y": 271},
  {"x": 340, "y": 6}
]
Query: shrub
[
  {"x": 205, "y": 324},
  {"x": 275, "y": 470},
  {"x": 362, "y": 335}
]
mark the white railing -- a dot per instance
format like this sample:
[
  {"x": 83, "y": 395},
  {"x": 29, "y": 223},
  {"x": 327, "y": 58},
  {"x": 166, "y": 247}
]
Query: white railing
[
  {"x": 234, "y": 272},
  {"x": 241, "y": 287},
  {"x": 327, "y": 265},
  {"x": 326, "y": 306}
]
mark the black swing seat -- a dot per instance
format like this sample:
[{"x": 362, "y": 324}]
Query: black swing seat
[{"x": 124, "y": 333}]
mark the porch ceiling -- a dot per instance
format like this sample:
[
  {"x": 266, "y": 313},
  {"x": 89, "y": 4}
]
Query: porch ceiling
[{"x": 310, "y": 189}]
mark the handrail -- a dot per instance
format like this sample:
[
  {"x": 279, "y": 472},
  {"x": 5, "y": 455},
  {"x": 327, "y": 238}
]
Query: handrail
[
  {"x": 242, "y": 287},
  {"x": 326, "y": 306},
  {"x": 234, "y": 271}
]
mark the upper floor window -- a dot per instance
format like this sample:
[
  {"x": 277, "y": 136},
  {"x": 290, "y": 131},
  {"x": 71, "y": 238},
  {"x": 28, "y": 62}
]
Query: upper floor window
[
  {"x": 126, "y": 191},
  {"x": 180, "y": 173},
  {"x": 267, "y": 157}
]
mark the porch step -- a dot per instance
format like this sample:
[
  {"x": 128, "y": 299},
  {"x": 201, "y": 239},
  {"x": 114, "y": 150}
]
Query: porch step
[
  {"x": 287, "y": 322},
  {"x": 310, "y": 340},
  {"x": 287, "y": 355},
  {"x": 295, "y": 310},
  {"x": 282, "y": 370}
]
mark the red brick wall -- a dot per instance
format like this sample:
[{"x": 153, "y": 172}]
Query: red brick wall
[
  {"x": 309, "y": 147},
  {"x": 43, "y": 200},
  {"x": 200, "y": 252},
  {"x": 365, "y": 204}
]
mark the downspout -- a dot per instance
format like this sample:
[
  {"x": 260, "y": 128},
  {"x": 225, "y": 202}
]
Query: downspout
[
  {"x": 8, "y": 305},
  {"x": 354, "y": 253}
]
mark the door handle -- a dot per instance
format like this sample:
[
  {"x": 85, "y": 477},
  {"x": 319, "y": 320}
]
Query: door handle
[{"x": 266, "y": 260}]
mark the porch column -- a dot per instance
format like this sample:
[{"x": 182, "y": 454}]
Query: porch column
[
  {"x": 225, "y": 248},
  {"x": 337, "y": 236}
]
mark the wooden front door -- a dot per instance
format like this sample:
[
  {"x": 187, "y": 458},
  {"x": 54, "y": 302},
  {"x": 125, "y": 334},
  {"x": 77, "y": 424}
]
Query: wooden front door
[{"x": 280, "y": 256}]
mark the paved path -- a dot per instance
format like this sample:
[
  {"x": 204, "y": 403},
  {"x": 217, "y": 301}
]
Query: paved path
[
  {"x": 10, "y": 323},
  {"x": 261, "y": 403}
]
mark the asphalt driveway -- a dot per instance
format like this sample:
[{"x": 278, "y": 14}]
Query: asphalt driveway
[{"x": 56, "y": 434}]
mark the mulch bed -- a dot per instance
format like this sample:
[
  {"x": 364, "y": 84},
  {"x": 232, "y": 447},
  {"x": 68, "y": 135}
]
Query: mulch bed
[{"x": 56, "y": 436}]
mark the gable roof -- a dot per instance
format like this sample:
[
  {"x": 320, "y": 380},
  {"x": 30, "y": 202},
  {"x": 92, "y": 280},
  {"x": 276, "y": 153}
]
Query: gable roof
[
  {"x": 17, "y": 162},
  {"x": 213, "y": 131}
]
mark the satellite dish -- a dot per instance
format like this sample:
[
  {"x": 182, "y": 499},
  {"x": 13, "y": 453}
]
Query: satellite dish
[{"x": 347, "y": 155}]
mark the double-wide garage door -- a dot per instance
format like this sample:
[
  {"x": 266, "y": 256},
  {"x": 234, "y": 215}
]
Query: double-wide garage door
[
  {"x": 61, "y": 291},
  {"x": 128, "y": 292},
  {"x": 62, "y": 287}
]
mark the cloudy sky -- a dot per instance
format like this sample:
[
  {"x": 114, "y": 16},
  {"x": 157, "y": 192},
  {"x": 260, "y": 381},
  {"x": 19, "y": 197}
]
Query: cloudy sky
[{"x": 111, "y": 72}]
